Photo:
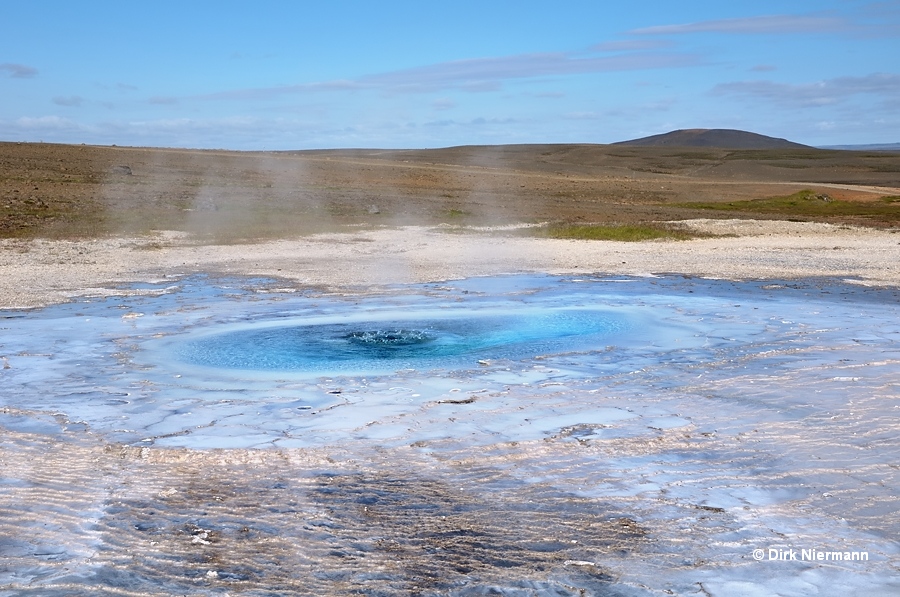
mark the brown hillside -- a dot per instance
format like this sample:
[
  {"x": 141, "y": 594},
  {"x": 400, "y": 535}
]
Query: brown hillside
[
  {"x": 86, "y": 191},
  {"x": 724, "y": 138}
]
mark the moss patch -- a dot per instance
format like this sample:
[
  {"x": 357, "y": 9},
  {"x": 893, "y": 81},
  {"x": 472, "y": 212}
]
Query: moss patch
[
  {"x": 811, "y": 204},
  {"x": 627, "y": 233}
]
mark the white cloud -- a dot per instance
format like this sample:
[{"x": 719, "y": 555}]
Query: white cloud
[
  {"x": 443, "y": 104},
  {"x": 30, "y": 127},
  {"x": 262, "y": 93},
  {"x": 477, "y": 74},
  {"x": 582, "y": 116},
  {"x": 160, "y": 100},
  {"x": 632, "y": 45},
  {"x": 69, "y": 101},
  {"x": 754, "y": 25},
  {"x": 19, "y": 71},
  {"x": 474, "y": 73},
  {"x": 629, "y": 112},
  {"x": 474, "y": 122},
  {"x": 886, "y": 86}
]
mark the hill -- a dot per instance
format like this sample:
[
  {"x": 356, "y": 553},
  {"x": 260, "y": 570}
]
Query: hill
[{"x": 723, "y": 138}]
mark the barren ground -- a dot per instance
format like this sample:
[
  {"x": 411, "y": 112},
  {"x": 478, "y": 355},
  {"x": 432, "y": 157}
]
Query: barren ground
[
  {"x": 79, "y": 217},
  {"x": 62, "y": 191}
]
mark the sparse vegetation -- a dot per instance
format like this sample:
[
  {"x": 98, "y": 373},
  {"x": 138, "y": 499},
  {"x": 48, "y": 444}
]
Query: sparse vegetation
[
  {"x": 781, "y": 154},
  {"x": 66, "y": 191},
  {"x": 891, "y": 166},
  {"x": 624, "y": 232},
  {"x": 808, "y": 203}
]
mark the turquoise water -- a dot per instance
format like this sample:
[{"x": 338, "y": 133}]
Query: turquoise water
[{"x": 423, "y": 341}]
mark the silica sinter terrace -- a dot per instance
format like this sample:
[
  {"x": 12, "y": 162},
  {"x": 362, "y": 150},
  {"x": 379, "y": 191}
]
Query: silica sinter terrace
[{"x": 512, "y": 435}]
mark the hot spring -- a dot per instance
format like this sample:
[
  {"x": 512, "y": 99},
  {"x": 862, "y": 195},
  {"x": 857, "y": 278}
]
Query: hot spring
[
  {"x": 383, "y": 343},
  {"x": 516, "y": 435}
]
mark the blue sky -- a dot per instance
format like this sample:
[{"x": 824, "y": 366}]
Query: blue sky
[{"x": 302, "y": 75}]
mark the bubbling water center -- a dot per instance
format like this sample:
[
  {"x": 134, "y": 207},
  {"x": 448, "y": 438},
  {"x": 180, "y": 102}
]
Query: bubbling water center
[
  {"x": 382, "y": 344},
  {"x": 666, "y": 427}
]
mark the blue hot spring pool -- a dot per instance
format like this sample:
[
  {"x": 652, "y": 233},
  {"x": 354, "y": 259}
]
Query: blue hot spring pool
[{"x": 428, "y": 339}]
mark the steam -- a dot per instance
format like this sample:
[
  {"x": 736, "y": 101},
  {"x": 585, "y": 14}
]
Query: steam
[{"x": 367, "y": 197}]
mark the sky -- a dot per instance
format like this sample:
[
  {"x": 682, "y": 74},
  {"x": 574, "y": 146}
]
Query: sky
[{"x": 275, "y": 75}]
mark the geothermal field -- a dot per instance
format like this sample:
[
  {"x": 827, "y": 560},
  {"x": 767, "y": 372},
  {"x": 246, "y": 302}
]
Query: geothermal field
[{"x": 516, "y": 370}]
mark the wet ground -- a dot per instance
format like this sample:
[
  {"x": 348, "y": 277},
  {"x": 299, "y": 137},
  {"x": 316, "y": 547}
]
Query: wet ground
[{"x": 647, "y": 457}]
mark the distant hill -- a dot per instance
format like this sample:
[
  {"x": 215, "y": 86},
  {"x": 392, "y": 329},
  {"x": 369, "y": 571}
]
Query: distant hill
[
  {"x": 868, "y": 147},
  {"x": 724, "y": 138}
]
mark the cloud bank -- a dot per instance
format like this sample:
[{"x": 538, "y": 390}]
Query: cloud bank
[
  {"x": 768, "y": 24},
  {"x": 485, "y": 74},
  {"x": 821, "y": 93}
]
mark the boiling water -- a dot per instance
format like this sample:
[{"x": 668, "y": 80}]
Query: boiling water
[
  {"x": 515, "y": 435},
  {"x": 452, "y": 338}
]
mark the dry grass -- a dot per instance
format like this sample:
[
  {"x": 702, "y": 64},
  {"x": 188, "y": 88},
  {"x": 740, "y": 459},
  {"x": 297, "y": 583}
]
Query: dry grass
[{"x": 64, "y": 191}]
